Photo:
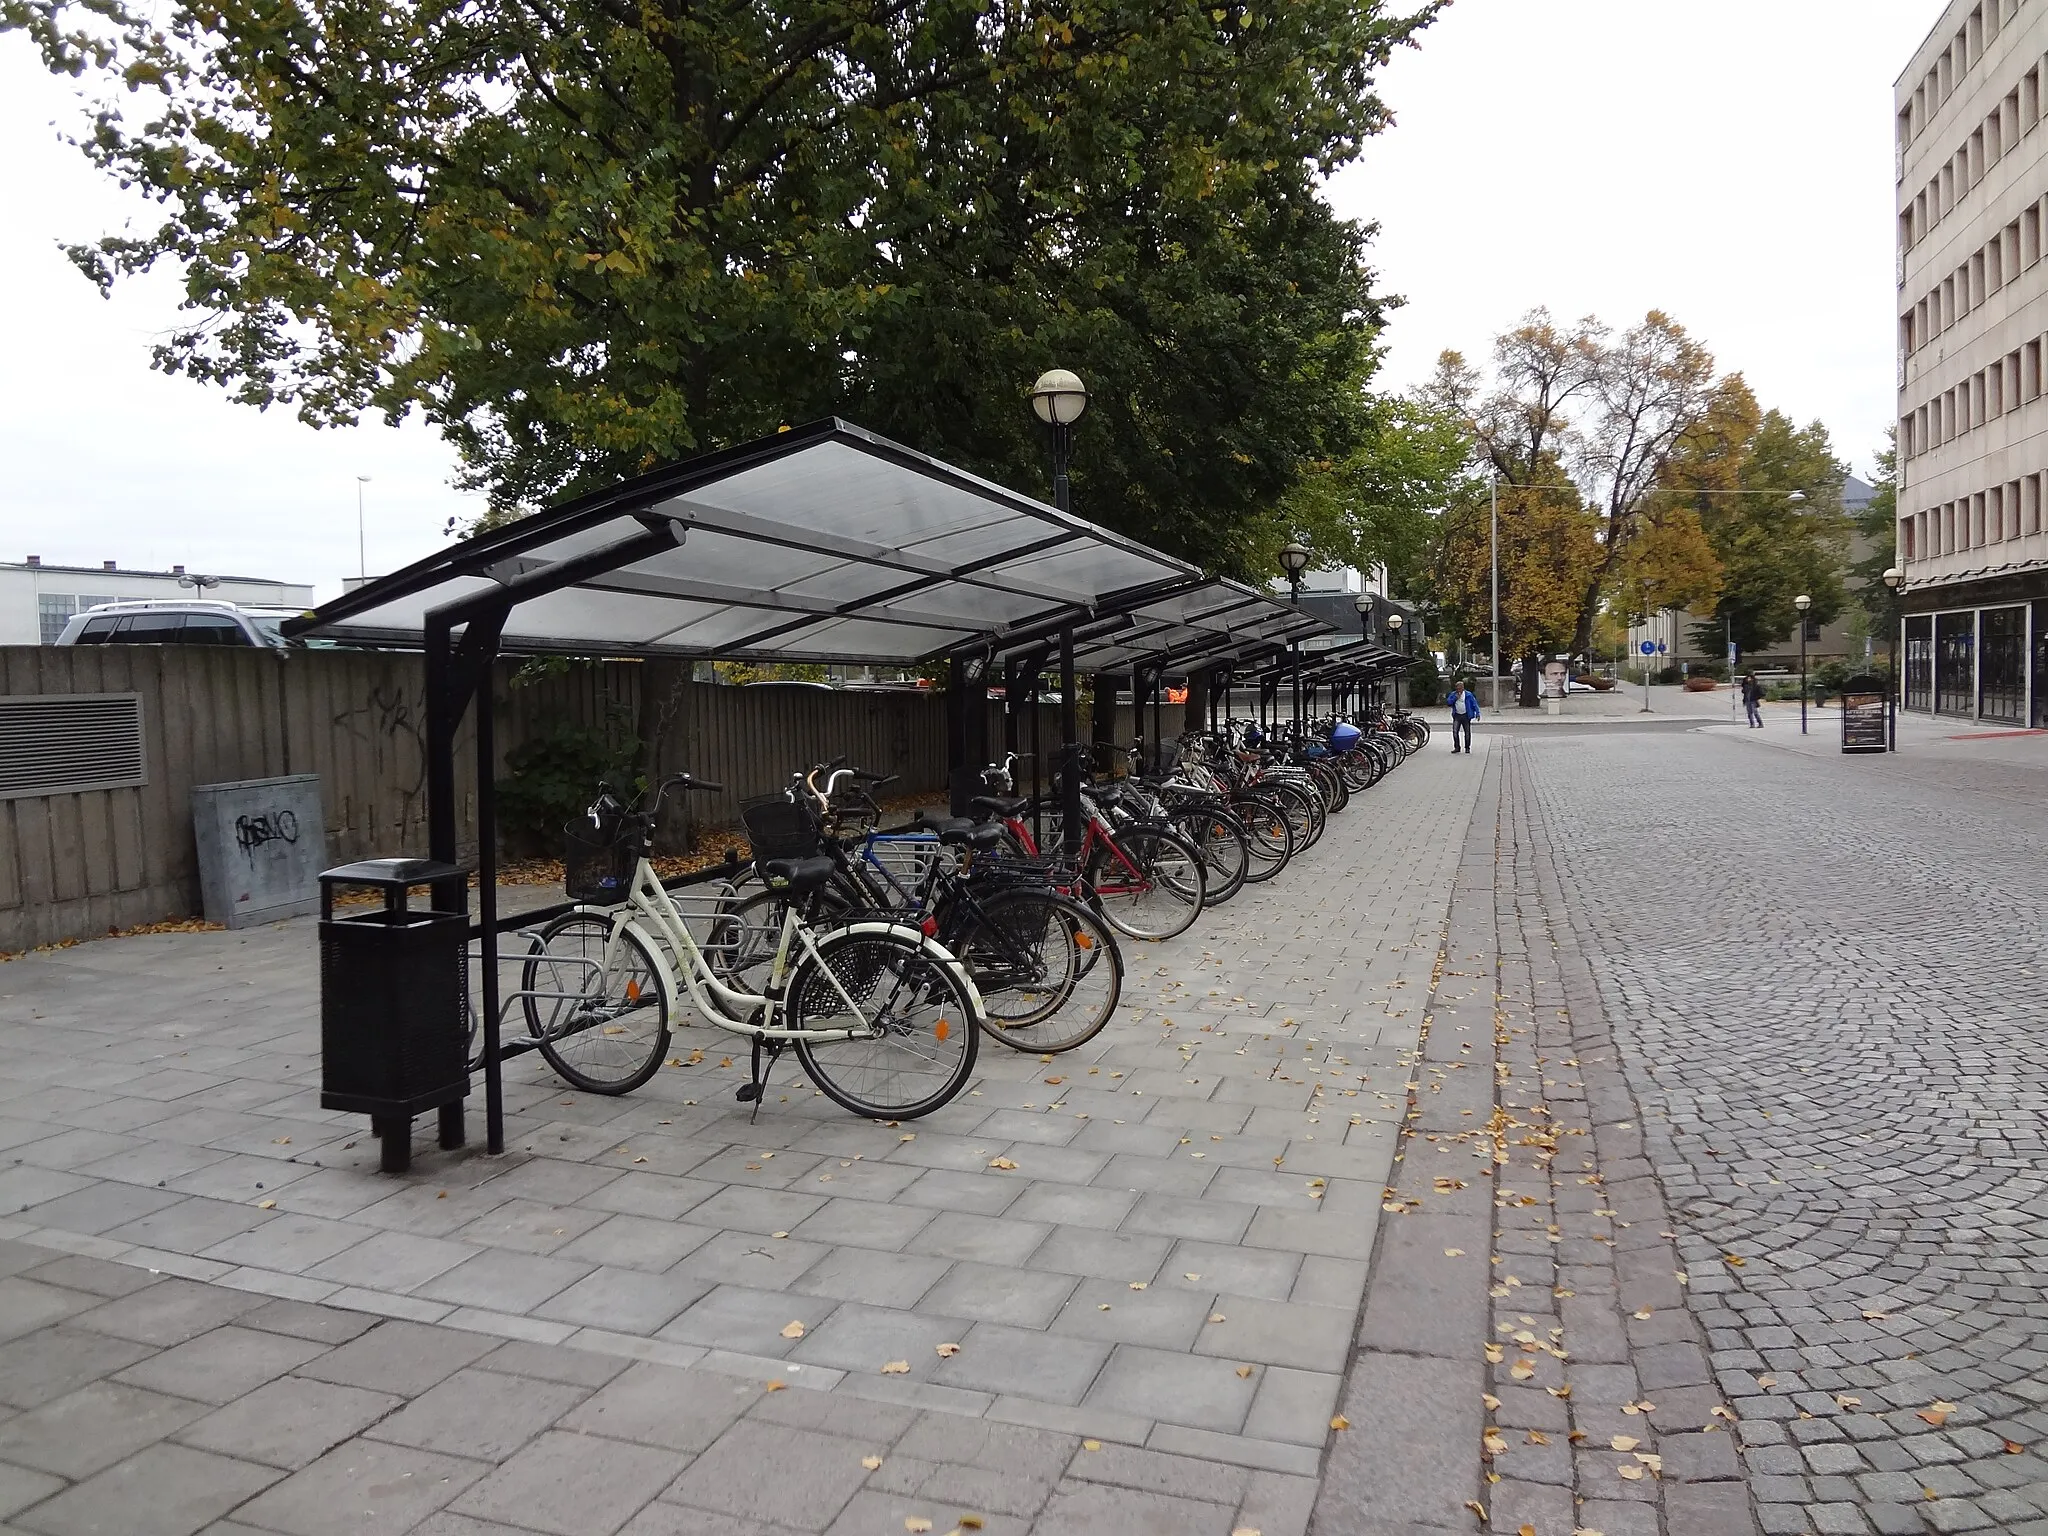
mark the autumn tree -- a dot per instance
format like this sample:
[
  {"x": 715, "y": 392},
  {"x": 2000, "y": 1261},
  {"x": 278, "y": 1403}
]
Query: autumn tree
[
  {"x": 1877, "y": 524},
  {"x": 584, "y": 237},
  {"x": 1576, "y": 416}
]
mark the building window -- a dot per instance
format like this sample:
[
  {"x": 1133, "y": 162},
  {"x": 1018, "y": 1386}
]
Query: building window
[
  {"x": 2002, "y": 664},
  {"x": 1955, "y": 657},
  {"x": 54, "y": 611},
  {"x": 1919, "y": 661},
  {"x": 2030, "y": 504}
]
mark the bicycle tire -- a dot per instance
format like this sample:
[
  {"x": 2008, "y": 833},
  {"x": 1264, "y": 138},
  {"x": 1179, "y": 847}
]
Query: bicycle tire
[
  {"x": 1049, "y": 969},
  {"x": 1221, "y": 839},
  {"x": 1269, "y": 840},
  {"x": 611, "y": 1045},
  {"x": 917, "y": 991},
  {"x": 1168, "y": 895}
]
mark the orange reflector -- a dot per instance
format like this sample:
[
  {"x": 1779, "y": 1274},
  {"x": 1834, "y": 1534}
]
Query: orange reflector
[
  {"x": 942, "y": 1029},
  {"x": 1084, "y": 940},
  {"x": 632, "y": 991}
]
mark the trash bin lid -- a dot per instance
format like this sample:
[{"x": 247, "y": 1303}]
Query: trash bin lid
[{"x": 393, "y": 873}]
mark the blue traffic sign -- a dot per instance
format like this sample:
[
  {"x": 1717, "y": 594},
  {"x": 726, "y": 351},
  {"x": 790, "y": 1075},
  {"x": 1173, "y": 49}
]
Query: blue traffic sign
[
  {"x": 1649, "y": 647},
  {"x": 1660, "y": 647}
]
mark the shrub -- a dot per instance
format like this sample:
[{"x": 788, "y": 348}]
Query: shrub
[{"x": 553, "y": 774}]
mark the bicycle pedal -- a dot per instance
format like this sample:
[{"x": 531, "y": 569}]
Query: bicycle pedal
[{"x": 747, "y": 1093}]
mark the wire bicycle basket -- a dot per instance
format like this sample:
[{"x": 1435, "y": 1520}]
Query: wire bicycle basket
[
  {"x": 780, "y": 828},
  {"x": 598, "y": 861}
]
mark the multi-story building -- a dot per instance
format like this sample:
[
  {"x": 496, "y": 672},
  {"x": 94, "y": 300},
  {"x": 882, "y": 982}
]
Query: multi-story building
[
  {"x": 1972, "y": 166},
  {"x": 37, "y": 600}
]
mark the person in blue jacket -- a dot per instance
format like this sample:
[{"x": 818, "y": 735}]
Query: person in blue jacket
[{"x": 1464, "y": 710}]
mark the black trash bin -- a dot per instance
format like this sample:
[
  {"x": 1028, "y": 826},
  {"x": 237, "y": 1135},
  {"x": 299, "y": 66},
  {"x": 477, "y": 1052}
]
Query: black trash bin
[{"x": 394, "y": 1029}]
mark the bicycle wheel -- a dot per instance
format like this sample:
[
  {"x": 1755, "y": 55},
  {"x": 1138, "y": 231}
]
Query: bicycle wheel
[
  {"x": 601, "y": 1019},
  {"x": 1048, "y": 969},
  {"x": 1154, "y": 890},
  {"x": 1269, "y": 841},
  {"x": 1220, "y": 837},
  {"x": 917, "y": 1022}
]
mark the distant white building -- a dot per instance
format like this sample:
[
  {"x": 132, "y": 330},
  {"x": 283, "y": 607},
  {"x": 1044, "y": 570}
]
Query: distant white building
[{"x": 36, "y": 600}]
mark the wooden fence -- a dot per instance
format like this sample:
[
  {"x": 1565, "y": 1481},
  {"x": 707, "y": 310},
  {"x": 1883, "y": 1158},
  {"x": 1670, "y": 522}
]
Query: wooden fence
[{"x": 73, "y": 865}]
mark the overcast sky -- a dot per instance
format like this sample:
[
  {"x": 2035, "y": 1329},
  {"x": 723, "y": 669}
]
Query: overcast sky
[{"x": 1729, "y": 163}]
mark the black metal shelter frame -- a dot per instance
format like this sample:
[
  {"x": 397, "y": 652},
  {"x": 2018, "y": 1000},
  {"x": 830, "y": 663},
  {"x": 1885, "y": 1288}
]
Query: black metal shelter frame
[{"x": 824, "y": 543}]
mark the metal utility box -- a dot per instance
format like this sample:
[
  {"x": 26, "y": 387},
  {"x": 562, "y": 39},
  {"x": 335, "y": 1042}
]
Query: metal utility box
[
  {"x": 261, "y": 845},
  {"x": 394, "y": 1014}
]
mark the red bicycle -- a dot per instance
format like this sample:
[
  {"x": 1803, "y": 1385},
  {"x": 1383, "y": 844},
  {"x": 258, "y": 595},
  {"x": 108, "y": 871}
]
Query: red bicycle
[{"x": 1145, "y": 879}]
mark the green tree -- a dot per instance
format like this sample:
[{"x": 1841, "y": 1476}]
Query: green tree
[
  {"x": 584, "y": 237},
  {"x": 1771, "y": 548},
  {"x": 1878, "y": 524}
]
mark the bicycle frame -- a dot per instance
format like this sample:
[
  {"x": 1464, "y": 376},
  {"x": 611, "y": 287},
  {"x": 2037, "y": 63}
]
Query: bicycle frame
[{"x": 716, "y": 1003}]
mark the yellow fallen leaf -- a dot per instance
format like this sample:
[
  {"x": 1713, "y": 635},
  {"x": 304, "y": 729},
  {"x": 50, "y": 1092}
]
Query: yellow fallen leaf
[
  {"x": 948, "y": 1351},
  {"x": 1624, "y": 1442},
  {"x": 1340, "y": 1422},
  {"x": 793, "y": 1330},
  {"x": 1525, "y": 1530},
  {"x": 1244, "y": 1370},
  {"x": 1633, "y": 1474},
  {"x": 871, "y": 1462},
  {"x": 1216, "y": 1317},
  {"x": 1522, "y": 1370},
  {"x": 896, "y": 1368},
  {"x": 1651, "y": 1460},
  {"x": 1938, "y": 1414},
  {"x": 1734, "y": 1259},
  {"x": 1191, "y": 1276},
  {"x": 1246, "y": 1530},
  {"x": 775, "y": 1386},
  {"x": 1537, "y": 1437},
  {"x": 1490, "y": 1400},
  {"x": 1002, "y": 1162},
  {"x": 1767, "y": 1382},
  {"x": 1139, "y": 1285},
  {"x": 971, "y": 1522},
  {"x": 1454, "y": 1253},
  {"x": 1476, "y": 1507},
  {"x": 266, "y": 1205},
  {"x": 1091, "y": 1445},
  {"x": 917, "y": 1525},
  {"x": 908, "y": 1136},
  {"x": 1643, "y": 1313},
  {"x": 1843, "y": 1400},
  {"x": 1492, "y": 1443},
  {"x": 1494, "y": 1355}
]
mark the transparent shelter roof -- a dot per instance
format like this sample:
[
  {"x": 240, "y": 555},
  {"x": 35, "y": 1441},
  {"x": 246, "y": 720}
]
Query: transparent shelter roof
[{"x": 823, "y": 543}]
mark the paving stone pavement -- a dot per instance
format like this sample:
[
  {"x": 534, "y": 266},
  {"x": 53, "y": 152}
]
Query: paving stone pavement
[
  {"x": 1823, "y": 976},
  {"x": 1173, "y": 1270}
]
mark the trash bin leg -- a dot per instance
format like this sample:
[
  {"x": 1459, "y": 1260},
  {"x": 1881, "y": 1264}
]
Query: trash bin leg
[
  {"x": 452, "y": 1133},
  {"x": 395, "y": 1133}
]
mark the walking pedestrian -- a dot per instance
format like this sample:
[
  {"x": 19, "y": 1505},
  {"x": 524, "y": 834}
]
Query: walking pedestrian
[
  {"x": 1464, "y": 710},
  {"x": 1752, "y": 695}
]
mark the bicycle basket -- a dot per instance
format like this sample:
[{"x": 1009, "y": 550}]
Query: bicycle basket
[
  {"x": 780, "y": 828},
  {"x": 598, "y": 863}
]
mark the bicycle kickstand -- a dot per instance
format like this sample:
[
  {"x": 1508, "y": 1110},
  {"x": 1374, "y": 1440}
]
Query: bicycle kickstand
[{"x": 756, "y": 1089}]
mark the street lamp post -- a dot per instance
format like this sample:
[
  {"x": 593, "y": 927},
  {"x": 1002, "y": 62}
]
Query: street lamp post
[
  {"x": 1802, "y": 602},
  {"x": 1059, "y": 398},
  {"x": 1363, "y": 603},
  {"x": 1394, "y": 623},
  {"x": 1294, "y": 559},
  {"x": 1893, "y": 578},
  {"x": 362, "y": 554}
]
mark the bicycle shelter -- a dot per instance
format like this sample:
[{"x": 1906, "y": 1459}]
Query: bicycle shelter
[{"x": 824, "y": 543}]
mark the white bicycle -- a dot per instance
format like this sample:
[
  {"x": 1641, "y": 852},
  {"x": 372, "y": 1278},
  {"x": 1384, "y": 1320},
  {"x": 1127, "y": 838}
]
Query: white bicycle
[{"x": 883, "y": 1018}]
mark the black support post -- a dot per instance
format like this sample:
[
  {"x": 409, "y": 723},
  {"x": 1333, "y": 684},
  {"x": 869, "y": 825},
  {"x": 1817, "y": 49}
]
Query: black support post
[{"x": 1070, "y": 747}]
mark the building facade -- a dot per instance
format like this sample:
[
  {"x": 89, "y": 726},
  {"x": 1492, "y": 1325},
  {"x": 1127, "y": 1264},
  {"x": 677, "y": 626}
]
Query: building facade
[
  {"x": 37, "y": 600},
  {"x": 1972, "y": 169}
]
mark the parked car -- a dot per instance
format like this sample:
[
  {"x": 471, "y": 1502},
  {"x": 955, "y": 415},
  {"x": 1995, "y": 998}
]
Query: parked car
[{"x": 177, "y": 621}]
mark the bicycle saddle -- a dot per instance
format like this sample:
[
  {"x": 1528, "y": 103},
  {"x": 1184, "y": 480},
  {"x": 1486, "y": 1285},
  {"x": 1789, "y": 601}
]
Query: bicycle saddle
[
  {"x": 1001, "y": 805},
  {"x": 797, "y": 877}
]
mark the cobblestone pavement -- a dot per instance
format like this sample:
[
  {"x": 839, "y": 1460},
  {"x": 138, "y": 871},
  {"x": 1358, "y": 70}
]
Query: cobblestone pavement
[
  {"x": 1172, "y": 1270},
  {"x": 1823, "y": 976}
]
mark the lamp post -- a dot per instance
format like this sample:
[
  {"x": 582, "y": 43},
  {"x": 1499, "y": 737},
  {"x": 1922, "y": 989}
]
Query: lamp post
[
  {"x": 1802, "y": 602},
  {"x": 362, "y": 556},
  {"x": 1294, "y": 559},
  {"x": 1394, "y": 624},
  {"x": 1363, "y": 603},
  {"x": 1894, "y": 578},
  {"x": 1058, "y": 399}
]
